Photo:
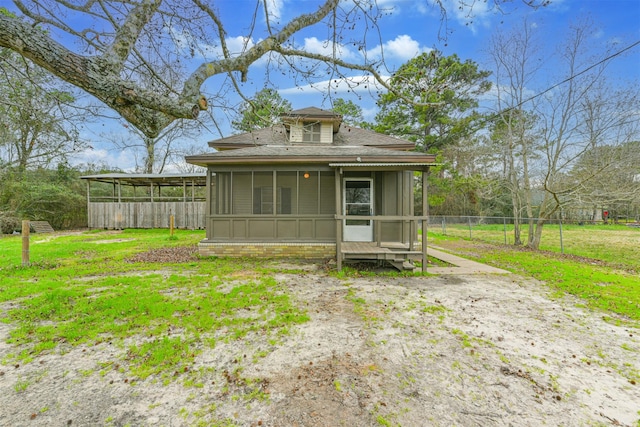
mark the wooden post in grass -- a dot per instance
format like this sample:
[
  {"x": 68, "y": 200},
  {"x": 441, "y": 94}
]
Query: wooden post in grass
[
  {"x": 25, "y": 243},
  {"x": 171, "y": 221}
]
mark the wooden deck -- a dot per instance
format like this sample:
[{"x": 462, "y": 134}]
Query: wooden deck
[{"x": 386, "y": 251}]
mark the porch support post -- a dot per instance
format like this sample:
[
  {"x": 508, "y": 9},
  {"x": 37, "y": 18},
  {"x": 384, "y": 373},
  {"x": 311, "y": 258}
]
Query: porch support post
[
  {"x": 338, "y": 221},
  {"x": 425, "y": 222}
]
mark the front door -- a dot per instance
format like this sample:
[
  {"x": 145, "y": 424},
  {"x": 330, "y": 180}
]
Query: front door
[{"x": 358, "y": 200}]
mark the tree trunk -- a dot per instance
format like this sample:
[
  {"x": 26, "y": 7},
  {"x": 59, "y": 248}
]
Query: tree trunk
[
  {"x": 534, "y": 243},
  {"x": 149, "y": 160}
]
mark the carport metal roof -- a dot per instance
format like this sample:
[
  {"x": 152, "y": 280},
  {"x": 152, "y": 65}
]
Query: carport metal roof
[{"x": 146, "y": 179}]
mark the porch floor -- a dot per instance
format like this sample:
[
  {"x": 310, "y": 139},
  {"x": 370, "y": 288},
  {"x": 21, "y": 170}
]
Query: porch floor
[{"x": 386, "y": 251}]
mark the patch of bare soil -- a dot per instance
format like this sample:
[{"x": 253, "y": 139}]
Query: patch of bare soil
[
  {"x": 477, "y": 350},
  {"x": 177, "y": 254}
]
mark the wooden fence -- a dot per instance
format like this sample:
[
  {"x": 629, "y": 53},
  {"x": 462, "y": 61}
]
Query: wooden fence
[{"x": 189, "y": 215}]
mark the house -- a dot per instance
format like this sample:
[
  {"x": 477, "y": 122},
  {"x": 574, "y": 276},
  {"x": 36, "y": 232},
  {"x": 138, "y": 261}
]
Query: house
[{"x": 313, "y": 187}]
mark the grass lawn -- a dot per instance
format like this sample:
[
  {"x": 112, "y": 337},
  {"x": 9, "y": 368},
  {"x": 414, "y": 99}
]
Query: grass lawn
[
  {"x": 88, "y": 288},
  {"x": 617, "y": 244}
]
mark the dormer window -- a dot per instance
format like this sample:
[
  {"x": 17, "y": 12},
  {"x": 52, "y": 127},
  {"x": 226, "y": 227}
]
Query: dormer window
[
  {"x": 311, "y": 125},
  {"x": 311, "y": 132}
]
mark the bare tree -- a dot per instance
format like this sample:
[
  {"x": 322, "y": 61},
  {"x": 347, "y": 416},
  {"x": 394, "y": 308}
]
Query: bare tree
[
  {"x": 540, "y": 137},
  {"x": 541, "y": 147},
  {"x": 568, "y": 128},
  {"x": 105, "y": 46},
  {"x": 605, "y": 176},
  {"x": 516, "y": 57},
  {"x": 153, "y": 155}
]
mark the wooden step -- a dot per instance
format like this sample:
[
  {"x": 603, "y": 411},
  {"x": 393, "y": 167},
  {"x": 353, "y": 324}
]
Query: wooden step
[
  {"x": 402, "y": 265},
  {"x": 41, "y": 227}
]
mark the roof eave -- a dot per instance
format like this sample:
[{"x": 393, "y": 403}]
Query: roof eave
[{"x": 261, "y": 160}]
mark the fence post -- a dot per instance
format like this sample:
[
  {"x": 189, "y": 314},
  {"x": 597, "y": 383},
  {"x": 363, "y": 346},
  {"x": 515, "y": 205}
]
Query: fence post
[
  {"x": 561, "y": 242},
  {"x": 25, "y": 243},
  {"x": 504, "y": 221},
  {"x": 470, "y": 236}
]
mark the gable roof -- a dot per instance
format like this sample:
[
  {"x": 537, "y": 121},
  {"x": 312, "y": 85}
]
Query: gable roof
[
  {"x": 312, "y": 113},
  {"x": 146, "y": 179},
  {"x": 278, "y": 135},
  {"x": 272, "y": 145}
]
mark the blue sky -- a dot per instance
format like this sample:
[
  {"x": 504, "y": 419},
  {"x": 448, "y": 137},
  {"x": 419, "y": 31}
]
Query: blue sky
[{"x": 409, "y": 28}]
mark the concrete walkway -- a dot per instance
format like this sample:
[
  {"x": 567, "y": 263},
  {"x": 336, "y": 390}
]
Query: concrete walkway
[{"x": 459, "y": 265}]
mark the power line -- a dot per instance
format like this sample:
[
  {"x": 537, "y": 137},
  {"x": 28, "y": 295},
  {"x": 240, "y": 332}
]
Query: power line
[{"x": 568, "y": 79}]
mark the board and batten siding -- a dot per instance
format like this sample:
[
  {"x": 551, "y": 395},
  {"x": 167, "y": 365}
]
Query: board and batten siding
[
  {"x": 326, "y": 132},
  {"x": 188, "y": 215}
]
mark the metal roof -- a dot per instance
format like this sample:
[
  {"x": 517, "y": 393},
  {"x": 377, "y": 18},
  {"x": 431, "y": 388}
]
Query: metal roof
[
  {"x": 406, "y": 166},
  {"x": 348, "y": 165},
  {"x": 145, "y": 179}
]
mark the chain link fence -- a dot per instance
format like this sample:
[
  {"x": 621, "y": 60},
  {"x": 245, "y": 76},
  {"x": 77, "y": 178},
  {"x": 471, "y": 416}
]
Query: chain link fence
[{"x": 597, "y": 239}]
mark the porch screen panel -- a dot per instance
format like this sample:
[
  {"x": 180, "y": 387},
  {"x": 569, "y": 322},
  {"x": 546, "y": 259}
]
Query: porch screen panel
[
  {"x": 327, "y": 193},
  {"x": 287, "y": 194},
  {"x": 308, "y": 193},
  {"x": 222, "y": 193},
  {"x": 242, "y": 193},
  {"x": 263, "y": 193}
]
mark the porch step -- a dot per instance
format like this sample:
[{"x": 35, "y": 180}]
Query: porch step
[
  {"x": 41, "y": 226},
  {"x": 402, "y": 265}
]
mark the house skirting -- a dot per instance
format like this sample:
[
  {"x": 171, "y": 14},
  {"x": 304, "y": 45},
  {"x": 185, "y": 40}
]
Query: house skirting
[{"x": 268, "y": 250}]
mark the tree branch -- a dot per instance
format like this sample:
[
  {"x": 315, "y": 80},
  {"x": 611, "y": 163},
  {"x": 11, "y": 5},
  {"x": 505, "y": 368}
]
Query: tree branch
[
  {"x": 127, "y": 35},
  {"x": 242, "y": 62}
]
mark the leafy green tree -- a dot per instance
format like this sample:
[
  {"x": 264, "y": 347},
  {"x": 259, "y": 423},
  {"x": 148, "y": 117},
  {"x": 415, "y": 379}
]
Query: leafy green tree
[
  {"x": 37, "y": 118},
  {"x": 432, "y": 100},
  {"x": 350, "y": 111},
  {"x": 262, "y": 111},
  {"x": 57, "y": 196}
]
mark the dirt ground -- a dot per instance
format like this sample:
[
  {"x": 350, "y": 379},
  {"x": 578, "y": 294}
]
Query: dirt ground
[{"x": 465, "y": 350}]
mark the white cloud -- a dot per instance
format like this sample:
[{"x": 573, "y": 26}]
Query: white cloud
[
  {"x": 502, "y": 92},
  {"x": 397, "y": 5},
  {"x": 275, "y": 8},
  {"x": 369, "y": 114},
  {"x": 120, "y": 159},
  {"x": 187, "y": 43},
  {"x": 237, "y": 45},
  {"x": 358, "y": 85},
  {"x": 402, "y": 48},
  {"x": 472, "y": 14},
  {"x": 326, "y": 47}
]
